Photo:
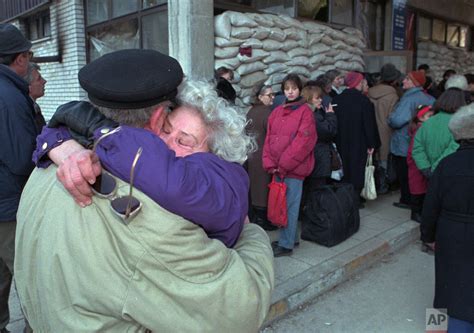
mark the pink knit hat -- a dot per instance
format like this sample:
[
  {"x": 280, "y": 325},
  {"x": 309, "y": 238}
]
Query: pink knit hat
[{"x": 352, "y": 79}]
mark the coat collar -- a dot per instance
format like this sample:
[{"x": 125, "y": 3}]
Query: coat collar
[{"x": 14, "y": 78}]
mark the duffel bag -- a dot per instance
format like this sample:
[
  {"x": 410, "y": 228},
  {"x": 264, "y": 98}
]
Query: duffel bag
[{"x": 330, "y": 215}]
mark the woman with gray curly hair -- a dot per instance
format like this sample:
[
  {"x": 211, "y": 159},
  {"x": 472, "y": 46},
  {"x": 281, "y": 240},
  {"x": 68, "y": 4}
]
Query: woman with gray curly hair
[{"x": 191, "y": 159}]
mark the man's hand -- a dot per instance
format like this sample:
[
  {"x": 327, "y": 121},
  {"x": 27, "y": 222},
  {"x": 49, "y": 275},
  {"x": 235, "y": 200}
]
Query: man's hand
[{"x": 77, "y": 173}]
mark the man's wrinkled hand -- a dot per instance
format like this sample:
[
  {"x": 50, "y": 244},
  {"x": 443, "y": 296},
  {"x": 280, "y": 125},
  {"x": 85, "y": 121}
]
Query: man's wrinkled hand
[{"x": 77, "y": 173}]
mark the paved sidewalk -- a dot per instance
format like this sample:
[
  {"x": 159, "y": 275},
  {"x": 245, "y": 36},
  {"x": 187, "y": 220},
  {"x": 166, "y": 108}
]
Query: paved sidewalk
[{"x": 313, "y": 269}]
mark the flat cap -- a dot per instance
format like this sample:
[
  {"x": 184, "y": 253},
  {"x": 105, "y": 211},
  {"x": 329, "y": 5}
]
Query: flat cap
[
  {"x": 12, "y": 40},
  {"x": 131, "y": 79}
]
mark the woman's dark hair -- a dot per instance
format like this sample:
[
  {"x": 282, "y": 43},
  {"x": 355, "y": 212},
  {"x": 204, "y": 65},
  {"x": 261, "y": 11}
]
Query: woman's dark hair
[
  {"x": 292, "y": 78},
  {"x": 223, "y": 70},
  {"x": 332, "y": 74},
  {"x": 469, "y": 78},
  {"x": 450, "y": 101},
  {"x": 448, "y": 73}
]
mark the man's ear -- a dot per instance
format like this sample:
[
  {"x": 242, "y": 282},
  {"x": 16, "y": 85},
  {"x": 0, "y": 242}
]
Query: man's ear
[{"x": 157, "y": 119}]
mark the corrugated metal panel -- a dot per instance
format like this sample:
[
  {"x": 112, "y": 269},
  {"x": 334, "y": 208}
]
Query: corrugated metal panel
[{"x": 12, "y": 8}]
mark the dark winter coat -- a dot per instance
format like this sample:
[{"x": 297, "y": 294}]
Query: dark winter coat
[
  {"x": 448, "y": 219},
  {"x": 18, "y": 133},
  {"x": 259, "y": 178},
  {"x": 357, "y": 131},
  {"x": 326, "y": 127}
]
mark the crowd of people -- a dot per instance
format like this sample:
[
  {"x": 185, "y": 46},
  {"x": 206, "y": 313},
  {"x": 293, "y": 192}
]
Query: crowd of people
[{"x": 145, "y": 204}]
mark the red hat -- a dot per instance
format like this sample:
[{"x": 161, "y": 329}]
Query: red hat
[
  {"x": 422, "y": 110},
  {"x": 417, "y": 77},
  {"x": 352, "y": 79}
]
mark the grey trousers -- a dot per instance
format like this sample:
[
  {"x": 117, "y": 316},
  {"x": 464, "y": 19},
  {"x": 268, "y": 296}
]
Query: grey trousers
[{"x": 7, "y": 254}]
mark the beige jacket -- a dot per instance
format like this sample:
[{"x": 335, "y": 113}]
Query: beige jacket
[
  {"x": 384, "y": 98},
  {"x": 83, "y": 270}
]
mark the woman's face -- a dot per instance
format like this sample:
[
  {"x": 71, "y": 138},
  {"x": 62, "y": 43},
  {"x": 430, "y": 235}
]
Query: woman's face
[
  {"x": 267, "y": 97},
  {"x": 291, "y": 91},
  {"x": 338, "y": 81},
  {"x": 317, "y": 101},
  {"x": 184, "y": 132}
]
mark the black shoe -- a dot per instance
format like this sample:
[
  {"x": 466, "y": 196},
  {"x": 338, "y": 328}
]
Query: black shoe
[
  {"x": 275, "y": 244},
  {"x": 279, "y": 251},
  {"x": 402, "y": 205},
  {"x": 265, "y": 225},
  {"x": 4, "y": 330},
  {"x": 415, "y": 216}
]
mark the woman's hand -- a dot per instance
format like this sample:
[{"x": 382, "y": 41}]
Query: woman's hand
[
  {"x": 329, "y": 109},
  {"x": 370, "y": 151}
]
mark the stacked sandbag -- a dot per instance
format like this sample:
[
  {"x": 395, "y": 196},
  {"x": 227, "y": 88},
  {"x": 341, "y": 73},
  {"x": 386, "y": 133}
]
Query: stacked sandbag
[
  {"x": 441, "y": 58},
  {"x": 279, "y": 45}
]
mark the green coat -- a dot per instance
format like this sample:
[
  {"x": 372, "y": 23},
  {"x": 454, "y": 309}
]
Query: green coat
[
  {"x": 433, "y": 142},
  {"x": 83, "y": 270}
]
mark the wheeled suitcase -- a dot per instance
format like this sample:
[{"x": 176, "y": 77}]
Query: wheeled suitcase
[{"x": 330, "y": 214}]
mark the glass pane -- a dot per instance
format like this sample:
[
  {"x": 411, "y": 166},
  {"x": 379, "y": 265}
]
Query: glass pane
[
  {"x": 122, "y": 7},
  {"x": 439, "y": 31},
  {"x": 463, "y": 37},
  {"x": 114, "y": 37},
  {"x": 151, "y": 3},
  {"x": 97, "y": 11},
  {"x": 424, "y": 27},
  {"x": 155, "y": 31},
  {"x": 46, "y": 26},
  {"x": 341, "y": 12},
  {"x": 453, "y": 35},
  {"x": 314, "y": 9},
  {"x": 33, "y": 29}
]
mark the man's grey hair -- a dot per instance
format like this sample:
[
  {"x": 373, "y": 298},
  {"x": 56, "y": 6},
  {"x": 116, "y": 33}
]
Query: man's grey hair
[
  {"x": 462, "y": 123},
  {"x": 227, "y": 137},
  {"x": 456, "y": 81},
  {"x": 29, "y": 72},
  {"x": 130, "y": 117}
]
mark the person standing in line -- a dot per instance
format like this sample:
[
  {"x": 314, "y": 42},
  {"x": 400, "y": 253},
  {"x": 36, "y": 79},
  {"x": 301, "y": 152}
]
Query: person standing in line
[
  {"x": 447, "y": 225},
  {"x": 399, "y": 120},
  {"x": 37, "y": 84},
  {"x": 18, "y": 133},
  {"x": 259, "y": 179},
  {"x": 326, "y": 127},
  {"x": 416, "y": 180},
  {"x": 357, "y": 133},
  {"x": 337, "y": 82},
  {"x": 384, "y": 97},
  {"x": 288, "y": 153}
]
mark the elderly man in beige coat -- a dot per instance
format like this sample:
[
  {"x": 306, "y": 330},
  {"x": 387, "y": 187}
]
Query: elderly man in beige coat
[{"x": 86, "y": 270}]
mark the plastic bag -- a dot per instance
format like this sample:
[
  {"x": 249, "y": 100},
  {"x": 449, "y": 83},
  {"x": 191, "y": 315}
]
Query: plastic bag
[
  {"x": 369, "y": 192},
  {"x": 277, "y": 212}
]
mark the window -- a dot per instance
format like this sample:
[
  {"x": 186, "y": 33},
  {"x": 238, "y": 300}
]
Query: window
[
  {"x": 439, "y": 31},
  {"x": 342, "y": 12},
  {"x": 39, "y": 25},
  {"x": 424, "y": 28},
  {"x": 453, "y": 35},
  {"x": 123, "y": 24},
  {"x": 314, "y": 9}
]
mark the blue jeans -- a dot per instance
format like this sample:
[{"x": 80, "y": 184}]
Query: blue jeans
[
  {"x": 293, "y": 198},
  {"x": 459, "y": 326}
]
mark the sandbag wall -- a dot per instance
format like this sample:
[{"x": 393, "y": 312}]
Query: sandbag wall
[
  {"x": 441, "y": 58},
  {"x": 263, "y": 48}
]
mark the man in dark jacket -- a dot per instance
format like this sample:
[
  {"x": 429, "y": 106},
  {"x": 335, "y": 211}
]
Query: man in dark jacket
[
  {"x": 357, "y": 133},
  {"x": 17, "y": 134}
]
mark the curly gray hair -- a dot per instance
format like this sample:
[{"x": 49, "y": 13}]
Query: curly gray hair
[{"x": 227, "y": 138}]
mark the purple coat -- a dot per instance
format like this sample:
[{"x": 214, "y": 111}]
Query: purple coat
[{"x": 201, "y": 187}]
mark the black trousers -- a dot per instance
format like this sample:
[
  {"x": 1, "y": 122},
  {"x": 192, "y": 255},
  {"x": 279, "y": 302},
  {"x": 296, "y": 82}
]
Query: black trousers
[
  {"x": 417, "y": 203},
  {"x": 401, "y": 167}
]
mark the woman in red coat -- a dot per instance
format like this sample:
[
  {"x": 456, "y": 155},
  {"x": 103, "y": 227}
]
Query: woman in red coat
[
  {"x": 288, "y": 152},
  {"x": 417, "y": 182}
]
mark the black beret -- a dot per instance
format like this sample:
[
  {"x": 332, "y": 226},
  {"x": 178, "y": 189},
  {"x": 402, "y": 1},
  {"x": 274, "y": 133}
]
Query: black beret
[
  {"x": 131, "y": 79},
  {"x": 12, "y": 40}
]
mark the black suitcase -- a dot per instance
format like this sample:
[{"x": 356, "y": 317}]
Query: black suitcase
[{"x": 330, "y": 215}]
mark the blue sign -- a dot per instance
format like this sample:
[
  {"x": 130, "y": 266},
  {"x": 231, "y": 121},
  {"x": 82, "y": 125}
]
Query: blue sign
[{"x": 399, "y": 23}]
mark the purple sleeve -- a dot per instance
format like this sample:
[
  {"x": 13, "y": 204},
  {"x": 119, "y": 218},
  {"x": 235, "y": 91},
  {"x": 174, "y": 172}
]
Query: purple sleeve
[
  {"x": 47, "y": 140},
  {"x": 201, "y": 187}
]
